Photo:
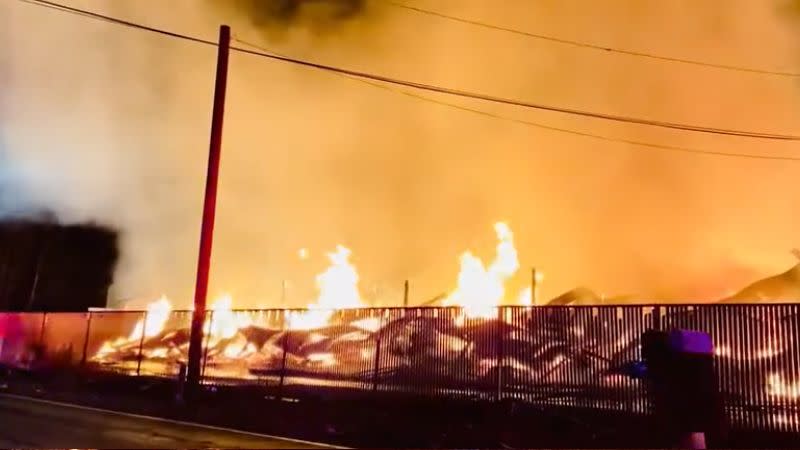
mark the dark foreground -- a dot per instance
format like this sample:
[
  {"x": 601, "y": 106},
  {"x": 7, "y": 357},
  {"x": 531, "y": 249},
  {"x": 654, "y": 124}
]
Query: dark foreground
[
  {"x": 32, "y": 423},
  {"x": 337, "y": 417}
]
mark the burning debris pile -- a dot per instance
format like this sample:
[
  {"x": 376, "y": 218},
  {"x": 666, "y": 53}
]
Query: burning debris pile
[
  {"x": 338, "y": 341},
  {"x": 778, "y": 288},
  {"x": 248, "y": 346},
  {"x": 575, "y": 356}
]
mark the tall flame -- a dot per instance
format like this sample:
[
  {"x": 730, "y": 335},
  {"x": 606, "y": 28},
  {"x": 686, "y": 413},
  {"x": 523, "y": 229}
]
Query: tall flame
[
  {"x": 482, "y": 289},
  {"x": 338, "y": 288},
  {"x": 223, "y": 323},
  {"x": 153, "y": 323}
]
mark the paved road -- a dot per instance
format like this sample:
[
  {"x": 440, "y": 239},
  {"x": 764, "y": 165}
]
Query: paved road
[{"x": 30, "y": 423}]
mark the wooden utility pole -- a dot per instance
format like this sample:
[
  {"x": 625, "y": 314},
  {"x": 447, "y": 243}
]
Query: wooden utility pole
[
  {"x": 534, "y": 286},
  {"x": 209, "y": 210},
  {"x": 405, "y": 294}
]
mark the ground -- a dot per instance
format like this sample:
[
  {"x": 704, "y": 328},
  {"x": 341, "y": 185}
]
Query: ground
[{"x": 30, "y": 423}]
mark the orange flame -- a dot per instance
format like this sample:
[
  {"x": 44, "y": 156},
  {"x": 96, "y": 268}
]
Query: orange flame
[
  {"x": 525, "y": 298},
  {"x": 338, "y": 289},
  {"x": 223, "y": 323},
  {"x": 777, "y": 387},
  {"x": 481, "y": 290},
  {"x": 153, "y": 323}
]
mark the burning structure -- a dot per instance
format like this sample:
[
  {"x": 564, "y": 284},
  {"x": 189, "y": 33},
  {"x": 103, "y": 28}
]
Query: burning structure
[
  {"x": 482, "y": 343},
  {"x": 554, "y": 356}
]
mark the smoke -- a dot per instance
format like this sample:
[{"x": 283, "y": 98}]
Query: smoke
[
  {"x": 107, "y": 124},
  {"x": 320, "y": 16}
]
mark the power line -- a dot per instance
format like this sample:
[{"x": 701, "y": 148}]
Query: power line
[
  {"x": 556, "y": 129},
  {"x": 114, "y": 20},
  {"x": 525, "y": 122},
  {"x": 429, "y": 87},
  {"x": 587, "y": 44}
]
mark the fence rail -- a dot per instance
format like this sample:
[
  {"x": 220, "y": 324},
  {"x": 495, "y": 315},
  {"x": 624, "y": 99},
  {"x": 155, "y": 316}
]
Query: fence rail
[{"x": 566, "y": 356}]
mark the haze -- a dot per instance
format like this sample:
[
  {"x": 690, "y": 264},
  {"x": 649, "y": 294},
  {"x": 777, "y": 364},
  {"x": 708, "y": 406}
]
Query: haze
[{"x": 108, "y": 124}]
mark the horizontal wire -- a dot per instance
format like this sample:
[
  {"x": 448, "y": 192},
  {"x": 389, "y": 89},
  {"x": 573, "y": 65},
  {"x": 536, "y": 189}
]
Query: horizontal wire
[
  {"x": 428, "y": 87},
  {"x": 552, "y": 128},
  {"x": 574, "y": 43}
]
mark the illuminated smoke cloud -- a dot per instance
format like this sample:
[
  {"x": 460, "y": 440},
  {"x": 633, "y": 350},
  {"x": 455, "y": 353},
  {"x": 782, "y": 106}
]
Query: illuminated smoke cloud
[{"x": 118, "y": 134}]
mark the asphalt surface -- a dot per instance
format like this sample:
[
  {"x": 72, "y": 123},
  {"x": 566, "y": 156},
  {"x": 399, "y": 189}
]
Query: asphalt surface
[{"x": 31, "y": 423}]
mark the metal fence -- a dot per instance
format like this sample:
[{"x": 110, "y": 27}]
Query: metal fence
[{"x": 559, "y": 357}]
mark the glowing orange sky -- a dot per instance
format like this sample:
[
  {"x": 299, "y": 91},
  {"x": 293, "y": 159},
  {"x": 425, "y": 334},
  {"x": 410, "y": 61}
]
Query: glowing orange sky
[{"x": 312, "y": 160}]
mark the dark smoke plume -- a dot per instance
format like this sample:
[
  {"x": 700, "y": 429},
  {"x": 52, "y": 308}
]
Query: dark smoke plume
[{"x": 275, "y": 18}]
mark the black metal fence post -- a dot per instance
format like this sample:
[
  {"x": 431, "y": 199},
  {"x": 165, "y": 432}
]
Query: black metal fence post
[
  {"x": 86, "y": 340},
  {"x": 285, "y": 346},
  {"x": 378, "y": 351},
  {"x": 500, "y": 352},
  {"x": 657, "y": 318},
  {"x": 141, "y": 344},
  {"x": 41, "y": 330},
  {"x": 210, "y": 316}
]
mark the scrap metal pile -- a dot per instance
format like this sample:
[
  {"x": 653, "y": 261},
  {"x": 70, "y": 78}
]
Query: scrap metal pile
[
  {"x": 479, "y": 342},
  {"x": 572, "y": 356}
]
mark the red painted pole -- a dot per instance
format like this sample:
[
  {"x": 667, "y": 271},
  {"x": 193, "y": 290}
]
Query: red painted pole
[{"x": 209, "y": 209}]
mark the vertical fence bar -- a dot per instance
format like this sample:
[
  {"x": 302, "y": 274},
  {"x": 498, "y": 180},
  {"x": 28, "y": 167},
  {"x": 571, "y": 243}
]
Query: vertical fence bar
[
  {"x": 210, "y": 315},
  {"x": 500, "y": 352},
  {"x": 731, "y": 390},
  {"x": 793, "y": 316},
  {"x": 286, "y": 331},
  {"x": 761, "y": 343},
  {"x": 86, "y": 339},
  {"x": 744, "y": 334},
  {"x": 743, "y": 383},
  {"x": 777, "y": 402},
  {"x": 378, "y": 348},
  {"x": 41, "y": 330},
  {"x": 42, "y": 350},
  {"x": 657, "y": 326},
  {"x": 141, "y": 344}
]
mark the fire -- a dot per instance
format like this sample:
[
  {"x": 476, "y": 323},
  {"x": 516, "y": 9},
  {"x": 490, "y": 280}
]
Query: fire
[
  {"x": 323, "y": 359},
  {"x": 153, "y": 323},
  {"x": 371, "y": 324},
  {"x": 777, "y": 387},
  {"x": 480, "y": 290},
  {"x": 338, "y": 289},
  {"x": 223, "y": 326},
  {"x": 525, "y": 297},
  {"x": 224, "y": 323}
]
